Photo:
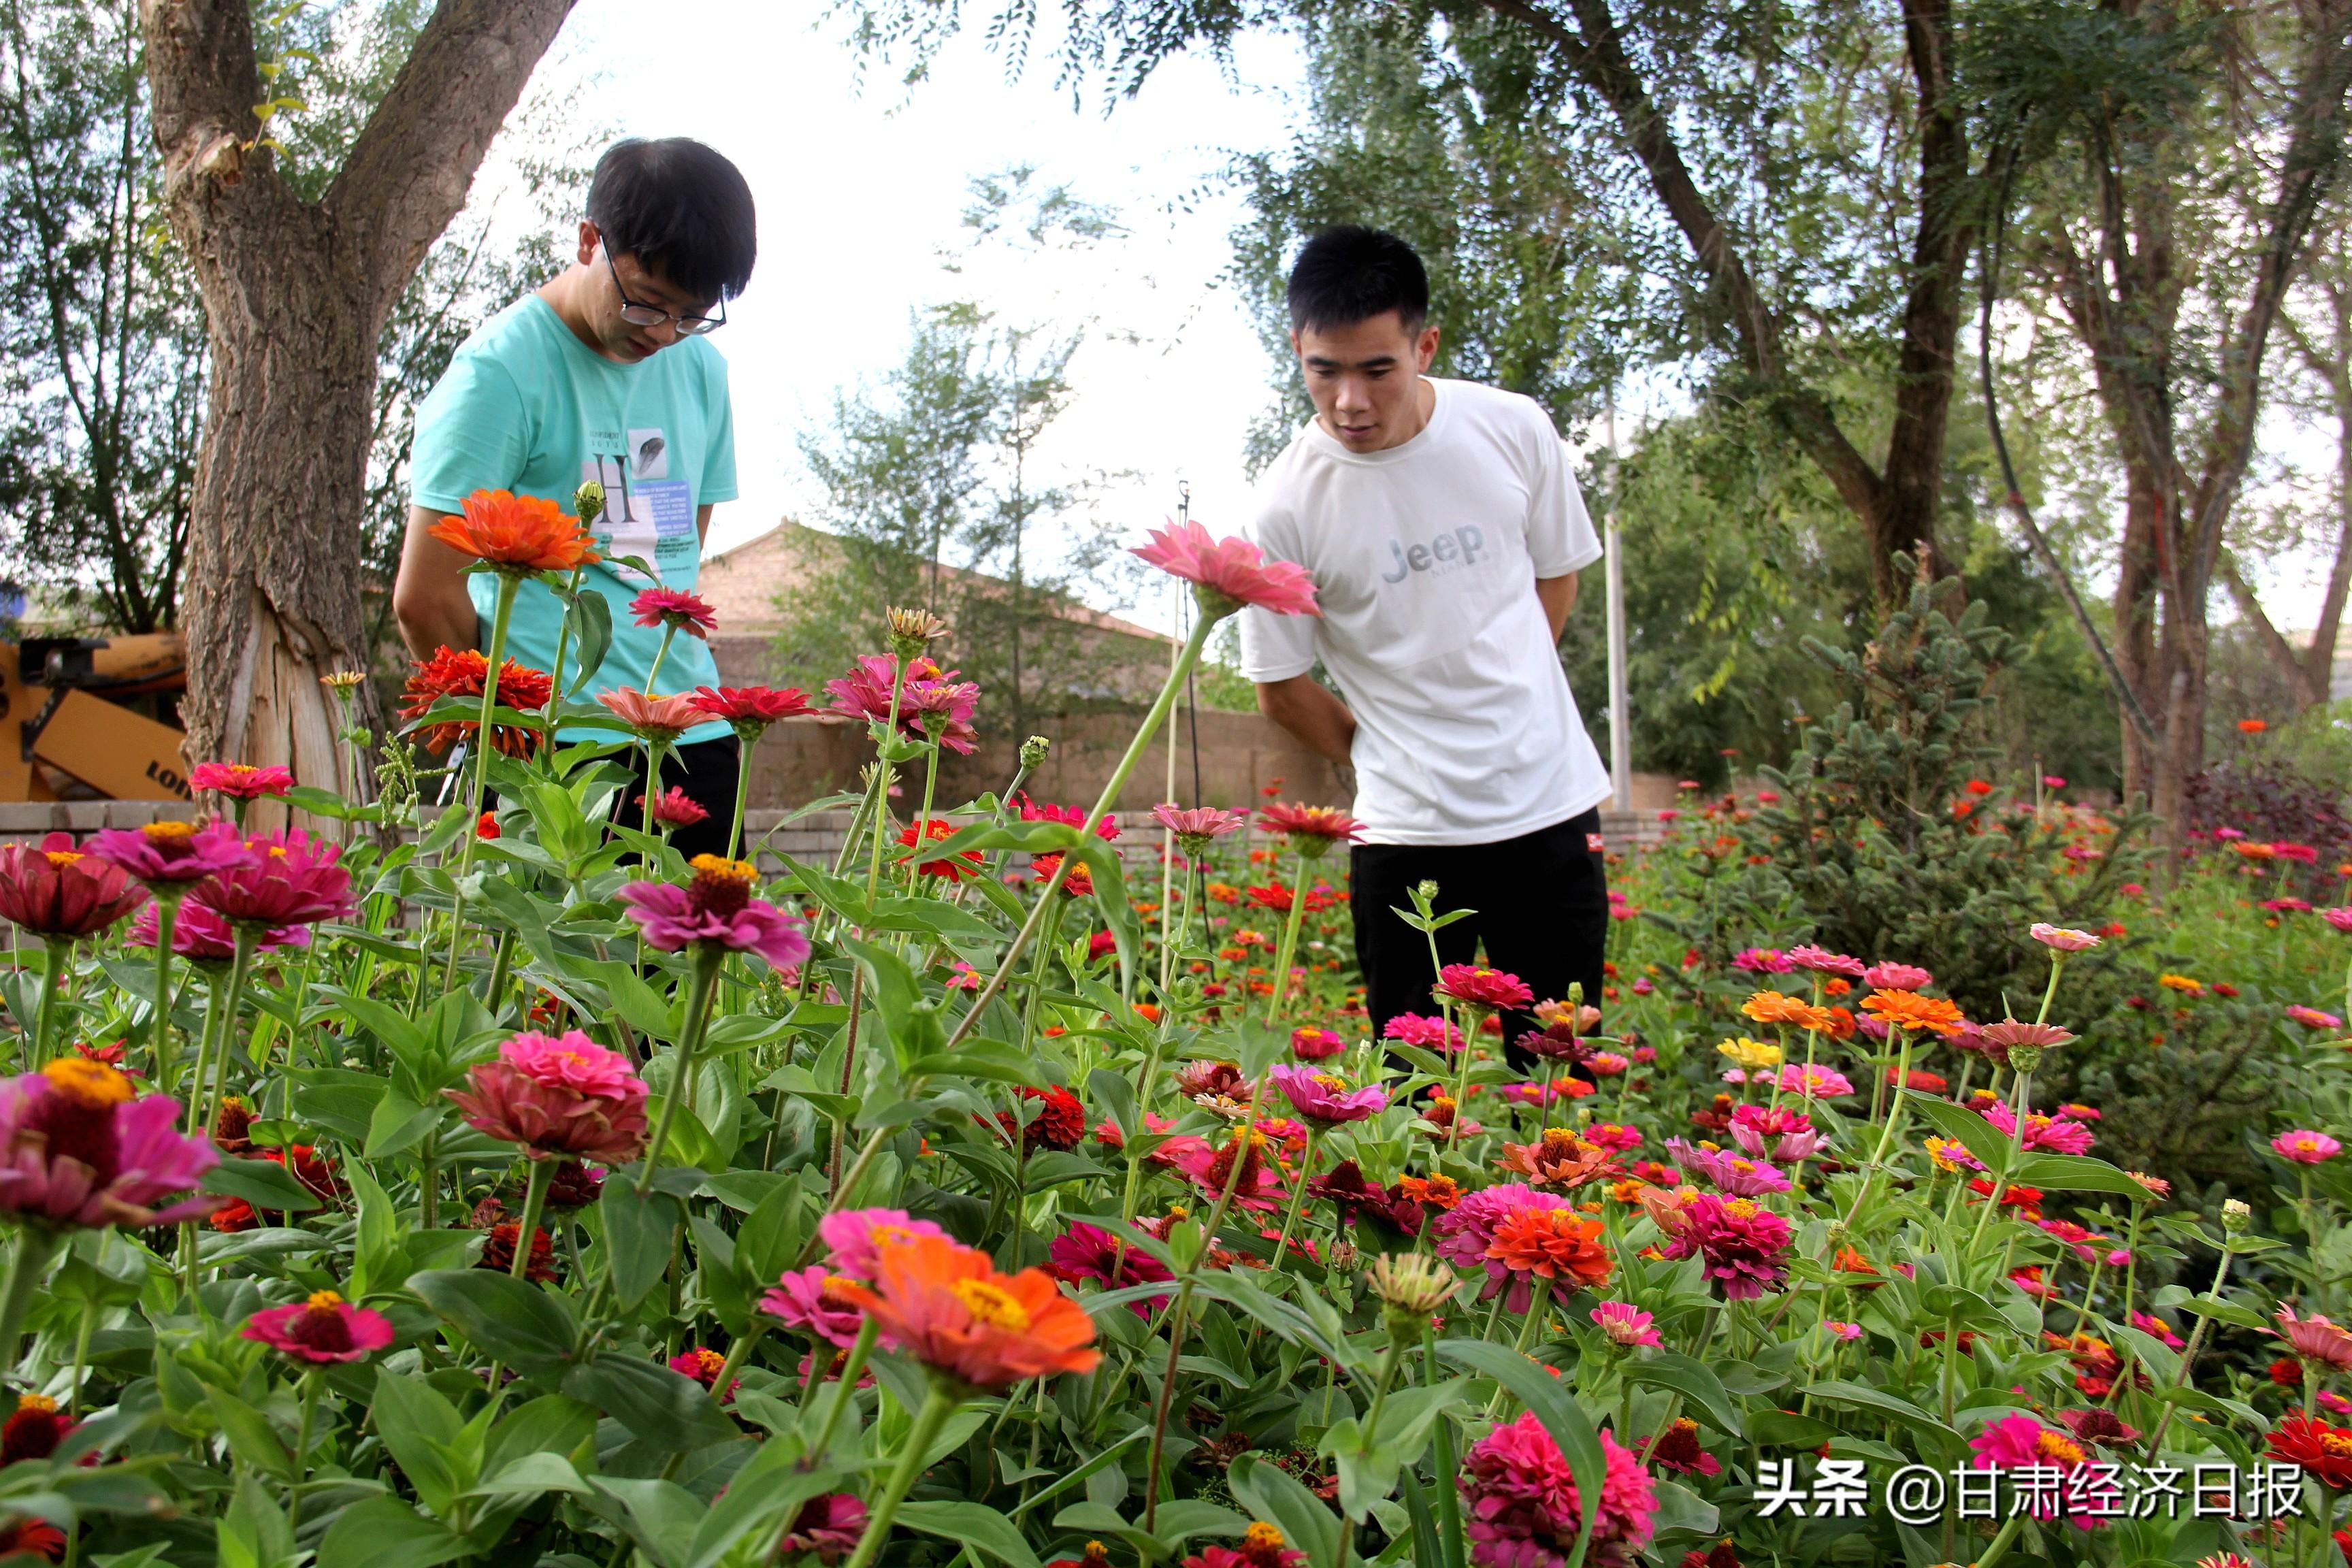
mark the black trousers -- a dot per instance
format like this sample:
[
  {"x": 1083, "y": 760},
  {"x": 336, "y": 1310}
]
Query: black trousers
[
  {"x": 1542, "y": 903},
  {"x": 708, "y": 771}
]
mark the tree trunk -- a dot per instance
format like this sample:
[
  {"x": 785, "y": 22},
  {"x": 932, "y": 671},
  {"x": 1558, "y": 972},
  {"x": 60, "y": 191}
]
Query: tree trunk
[{"x": 295, "y": 296}]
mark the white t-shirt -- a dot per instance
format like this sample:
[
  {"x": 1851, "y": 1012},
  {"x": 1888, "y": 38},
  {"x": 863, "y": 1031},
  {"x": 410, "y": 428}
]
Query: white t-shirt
[{"x": 1425, "y": 558}]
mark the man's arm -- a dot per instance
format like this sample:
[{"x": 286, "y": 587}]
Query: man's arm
[
  {"x": 1557, "y": 595},
  {"x": 428, "y": 595},
  {"x": 1307, "y": 709},
  {"x": 703, "y": 522}
]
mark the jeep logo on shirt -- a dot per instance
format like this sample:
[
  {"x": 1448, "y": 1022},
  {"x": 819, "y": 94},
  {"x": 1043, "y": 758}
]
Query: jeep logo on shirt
[{"x": 1441, "y": 554}]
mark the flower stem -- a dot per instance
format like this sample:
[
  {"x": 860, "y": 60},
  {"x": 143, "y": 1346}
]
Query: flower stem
[
  {"x": 1289, "y": 942},
  {"x": 1298, "y": 1199},
  {"x": 745, "y": 746},
  {"x": 45, "y": 1021},
  {"x": 2024, "y": 1095},
  {"x": 167, "y": 914},
  {"x": 25, "y": 1272},
  {"x": 534, "y": 1200},
  {"x": 661, "y": 652},
  {"x": 927, "y": 1421},
  {"x": 707, "y": 959},
  {"x": 2189, "y": 1356},
  {"x": 240, "y": 967},
  {"x": 495, "y": 659},
  {"x": 852, "y": 1369},
  {"x": 1894, "y": 1116},
  {"x": 556, "y": 690},
  {"x": 302, "y": 1448}
]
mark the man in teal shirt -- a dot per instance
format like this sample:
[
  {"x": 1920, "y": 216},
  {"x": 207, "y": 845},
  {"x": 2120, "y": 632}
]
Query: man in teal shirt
[{"x": 603, "y": 373}]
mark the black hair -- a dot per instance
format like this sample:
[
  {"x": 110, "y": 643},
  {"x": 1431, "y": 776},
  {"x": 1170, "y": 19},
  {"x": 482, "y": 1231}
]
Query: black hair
[
  {"x": 1352, "y": 273},
  {"x": 681, "y": 209}
]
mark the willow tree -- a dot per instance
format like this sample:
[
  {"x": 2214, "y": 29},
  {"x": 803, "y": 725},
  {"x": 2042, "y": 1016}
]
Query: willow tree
[{"x": 296, "y": 291}]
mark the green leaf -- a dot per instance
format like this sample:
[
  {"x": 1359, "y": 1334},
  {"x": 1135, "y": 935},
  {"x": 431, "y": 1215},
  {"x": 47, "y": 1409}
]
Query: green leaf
[
  {"x": 1279, "y": 1500},
  {"x": 1972, "y": 1131},
  {"x": 528, "y": 1328},
  {"x": 426, "y": 1435},
  {"x": 590, "y": 618},
  {"x": 1369, "y": 1462},
  {"x": 261, "y": 1183},
  {"x": 973, "y": 1524},
  {"x": 2220, "y": 1311},
  {"x": 639, "y": 1232},
  {"x": 531, "y": 1476},
  {"x": 254, "y": 1533},
  {"x": 2078, "y": 1174},
  {"x": 379, "y": 1252},
  {"x": 250, "y": 1433},
  {"x": 1553, "y": 1404},
  {"x": 380, "y": 1532},
  {"x": 1696, "y": 1384},
  {"x": 661, "y": 1514},
  {"x": 666, "y": 1409},
  {"x": 550, "y": 1424},
  {"x": 1895, "y": 1408}
]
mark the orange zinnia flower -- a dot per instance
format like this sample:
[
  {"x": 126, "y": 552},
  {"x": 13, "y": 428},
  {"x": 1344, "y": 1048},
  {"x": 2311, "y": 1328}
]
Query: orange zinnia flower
[
  {"x": 1561, "y": 1159},
  {"x": 1909, "y": 1010},
  {"x": 1552, "y": 1244},
  {"x": 518, "y": 533},
  {"x": 1771, "y": 1008},
  {"x": 1442, "y": 1192},
  {"x": 947, "y": 1305}
]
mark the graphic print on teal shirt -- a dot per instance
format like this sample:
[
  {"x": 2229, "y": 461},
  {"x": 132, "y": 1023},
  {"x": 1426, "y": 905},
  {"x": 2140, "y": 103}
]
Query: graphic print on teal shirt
[{"x": 526, "y": 406}]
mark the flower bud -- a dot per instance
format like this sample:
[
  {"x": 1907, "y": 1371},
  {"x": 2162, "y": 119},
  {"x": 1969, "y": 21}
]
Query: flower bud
[
  {"x": 1411, "y": 1286},
  {"x": 2235, "y": 1216},
  {"x": 1033, "y": 749},
  {"x": 911, "y": 631},
  {"x": 1425, "y": 891},
  {"x": 588, "y": 502},
  {"x": 2025, "y": 1058}
]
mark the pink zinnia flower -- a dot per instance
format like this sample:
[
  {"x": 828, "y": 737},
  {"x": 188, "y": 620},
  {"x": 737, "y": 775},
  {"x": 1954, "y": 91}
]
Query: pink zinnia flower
[
  {"x": 2340, "y": 918},
  {"x": 1744, "y": 1248},
  {"x": 201, "y": 936},
  {"x": 857, "y": 1237},
  {"x": 830, "y": 1526},
  {"x": 800, "y": 1300},
  {"x": 78, "y": 1150},
  {"x": 2062, "y": 939},
  {"x": 1627, "y": 1324},
  {"x": 2009, "y": 1032},
  {"x": 172, "y": 854},
  {"x": 2306, "y": 1147},
  {"x": 941, "y": 707},
  {"x": 1196, "y": 828},
  {"x": 653, "y": 717},
  {"x": 674, "y": 808},
  {"x": 717, "y": 908},
  {"x": 2316, "y": 1339},
  {"x": 2149, "y": 1323},
  {"x": 677, "y": 609},
  {"x": 1523, "y": 1507},
  {"x": 1313, "y": 1045},
  {"x": 1068, "y": 816},
  {"x": 239, "y": 781},
  {"x": 1606, "y": 1064},
  {"x": 1778, "y": 1133},
  {"x": 1089, "y": 1252},
  {"x": 1313, "y": 828},
  {"x": 55, "y": 890},
  {"x": 2017, "y": 1441},
  {"x": 1475, "y": 985},
  {"x": 1413, "y": 1029},
  {"x": 561, "y": 1098},
  {"x": 292, "y": 879},
  {"x": 1325, "y": 1099},
  {"x": 1897, "y": 977},
  {"x": 1614, "y": 1136},
  {"x": 1842, "y": 1330},
  {"x": 1227, "y": 574},
  {"x": 2313, "y": 1018},
  {"x": 1736, "y": 1176},
  {"x": 1821, "y": 960},
  {"x": 2059, "y": 1134},
  {"x": 324, "y": 1329},
  {"x": 750, "y": 709},
  {"x": 1813, "y": 1082},
  {"x": 1210, "y": 1166},
  {"x": 1763, "y": 961}
]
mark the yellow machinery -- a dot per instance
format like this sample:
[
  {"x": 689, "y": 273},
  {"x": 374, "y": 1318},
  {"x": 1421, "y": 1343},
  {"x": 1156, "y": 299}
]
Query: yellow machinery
[{"x": 61, "y": 703}]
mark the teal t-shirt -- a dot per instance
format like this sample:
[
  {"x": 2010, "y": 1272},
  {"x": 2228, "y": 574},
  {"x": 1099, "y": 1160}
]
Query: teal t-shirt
[{"x": 526, "y": 406}]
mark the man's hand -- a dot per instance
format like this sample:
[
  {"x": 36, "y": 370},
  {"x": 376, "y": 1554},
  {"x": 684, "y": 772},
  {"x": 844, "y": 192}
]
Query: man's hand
[
  {"x": 429, "y": 596},
  {"x": 1557, "y": 595},
  {"x": 1307, "y": 710}
]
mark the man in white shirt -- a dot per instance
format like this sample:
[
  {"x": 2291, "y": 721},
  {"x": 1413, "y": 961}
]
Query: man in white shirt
[{"x": 1444, "y": 533}]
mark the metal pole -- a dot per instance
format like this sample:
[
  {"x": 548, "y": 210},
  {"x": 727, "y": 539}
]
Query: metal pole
[{"x": 1621, "y": 720}]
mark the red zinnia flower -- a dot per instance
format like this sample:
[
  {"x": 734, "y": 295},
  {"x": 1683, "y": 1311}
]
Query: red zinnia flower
[
  {"x": 452, "y": 674},
  {"x": 677, "y": 609},
  {"x": 55, "y": 890},
  {"x": 955, "y": 868},
  {"x": 240, "y": 781},
  {"x": 1476, "y": 986},
  {"x": 2323, "y": 1451},
  {"x": 750, "y": 709},
  {"x": 1059, "y": 1122}
]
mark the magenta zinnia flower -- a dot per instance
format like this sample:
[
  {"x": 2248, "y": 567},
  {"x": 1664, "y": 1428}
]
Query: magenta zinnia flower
[
  {"x": 561, "y": 1099},
  {"x": 172, "y": 854},
  {"x": 2060, "y": 1134},
  {"x": 1523, "y": 1508},
  {"x": 292, "y": 879},
  {"x": 941, "y": 707},
  {"x": 802, "y": 1300},
  {"x": 201, "y": 936},
  {"x": 1475, "y": 985},
  {"x": 856, "y": 1237},
  {"x": 1762, "y": 961},
  {"x": 1311, "y": 828},
  {"x": 1089, "y": 1252},
  {"x": 2340, "y": 918},
  {"x": 1210, "y": 1166},
  {"x": 717, "y": 908},
  {"x": 1897, "y": 977},
  {"x": 1313, "y": 1045},
  {"x": 55, "y": 890},
  {"x": 1227, "y": 574},
  {"x": 240, "y": 781},
  {"x": 677, "y": 609},
  {"x": 1813, "y": 1082},
  {"x": 2314, "y": 1018},
  {"x": 1789, "y": 1133},
  {"x": 674, "y": 808},
  {"x": 1627, "y": 1324},
  {"x": 2306, "y": 1147},
  {"x": 2019, "y": 1441},
  {"x": 324, "y": 1329},
  {"x": 1326, "y": 1099},
  {"x": 830, "y": 1526},
  {"x": 1413, "y": 1029},
  {"x": 77, "y": 1150},
  {"x": 1744, "y": 1246},
  {"x": 1734, "y": 1176}
]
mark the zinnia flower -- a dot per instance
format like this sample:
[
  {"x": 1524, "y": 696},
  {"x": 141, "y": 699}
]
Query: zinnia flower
[
  {"x": 652, "y": 719},
  {"x": 829, "y": 1525},
  {"x": 807, "y": 1300},
  {"x": 948, "y": 1307},
  {"x": 1210, "y": 1167},
  {"x": 1325, "y": 1099},
  {"x": 2019, "y": 1441},
  {"x": 55, "y": 890},
  {"x": 1196, "y": 828},
  {"x": 717, "y": 908},
  {"x": 292, "y": 879},
  {"x": 324, "y": 1329},
  {"x": 2009, "y": 1032},
  {"x": 1311, "y": 829},
  {"x": 1731, "y": 1174},
  {"x": 931, "y": 830},
  {"x": 1475, "y": 985},
  {"x": 2306, "y": 1147},
  {"x": 76, "y": 1150},
  {"x": 1560, "y": 1159},
  {"x": 931, "y": 702},
  {"x": 1556, "y": 1244},
  {"x": 1626, "y": 1325},
  {"x": 2325, "y": 1452},
  {"x": 172, "y": 854},
  {"x": 857, "y": 1237},
  {"x": 750, "y": 709},
  {"x": 1059, "y": 1121},
  {"x": 518, "y": 533},
  {"x": 2316, "y": 1339},
  {"x": 1413, "y": 1029},
  {"x": 1228, "y": 574},
  {"x": 1068, "y": 816},
  {"x": 1313, "y": 1045},
  {"x": 34, "y": 1430},
  {"x": 1897, "y": 977},
  {"x": 674, "y": 808},
  {"x": 1909, "y": 1010},
  {"x": 1744, "y": 1247},
  {"x": 1678, "y": 1449},
  {"x": 562, "y": 1097},
  {"x": 240, "y": 781},
  {"x": 1778, "y": 1133},
  {"x": 451, "y": 674},
  {"x": 2314, "y": 1018},
  {"x": 1821, "y": 961},
  {"x": 704, "y": 1365},
  {"x": 2058, "y": 1134},
  {"x": 1465, "y": 1234},
  {"x": 201, "y": 936},
  {"x": 1813, "y": 1082},
  {"x": 1089, "y": 1252},
  {"x": 2062, "y": 939},
  {"x": 672, "y": 607},
  {"x": 1523, "y": 1507}
]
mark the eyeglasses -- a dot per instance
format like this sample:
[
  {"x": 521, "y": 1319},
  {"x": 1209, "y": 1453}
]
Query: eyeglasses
[{"x": 638, "y": 314}]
